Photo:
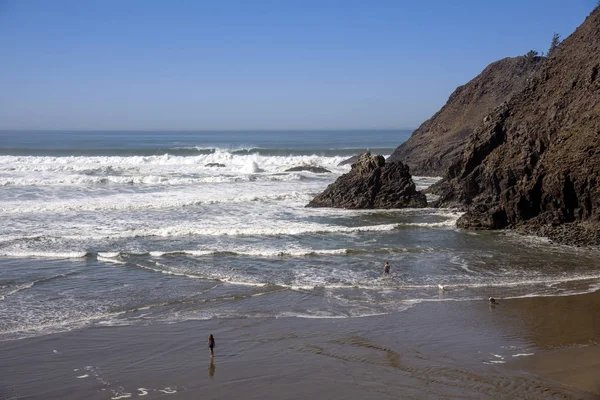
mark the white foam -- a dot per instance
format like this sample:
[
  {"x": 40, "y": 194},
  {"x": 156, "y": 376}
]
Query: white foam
[
  {"x": 266, "y": 253},
  {"x": 441, "y": 224},
  {"x": 142, "y": 392},
  {"x": 60, "y": 326},
  {"x": 83, "y": 376},
  {"x": 110, "y": 260},
  {"x": 17, "y": 289},
  {"x": 423, "y": 182},
  {"x": 319, "y": 281},
  {"x": 188, "y": 252},
  {"x": 43, "y": 254},
  {"x": 458, "y": 260},
  {"x": 251, "y": 167},
  {"x": 11, "y": 238},
  {"x": 525, "y": 282},
  {"x": 139, "y": 201},
  {"x": 113, "y": 254},
  {"x": 298, "y": 253},
  {"x": 169, "y": 272},
  {"x": 28, "y": 285},
  {"x": 107, "y": 165},
  {"x": 197, "y": 229},
  {"x": 523, "y": 355},
  {"x": 168, "y": 390},
  {"x": 121, "y": 396},
  {"x": 321, "y": 315},
  {"x": 591, "y": 289},
  {"x": 149, "y": 180},
  {"x": 234, "y": 281}
]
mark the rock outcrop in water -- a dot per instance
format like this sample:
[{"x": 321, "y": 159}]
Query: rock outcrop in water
[
  {"x": 534, "y": 164},
  {"x": 372, "y": 183},
  {"x": 440, "y": 140},
  {"x": 349, "y": 161},
  {"x": 309, "y": 168}
]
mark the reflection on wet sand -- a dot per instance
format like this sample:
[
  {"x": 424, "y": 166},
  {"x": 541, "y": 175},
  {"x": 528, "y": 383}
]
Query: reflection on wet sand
[
  {"x": 211, "y": 368},
  {"x": 566, "y": 330},
  {"x": 556, "y": 322}
]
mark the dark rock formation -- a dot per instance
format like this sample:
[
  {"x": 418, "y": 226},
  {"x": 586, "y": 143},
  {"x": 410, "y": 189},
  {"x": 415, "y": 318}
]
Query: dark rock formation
[
  {"x": 534, "y": 164},
  {"x": 440, "y": 140},
  {"x": 309, "y": 168},
  {"x": 218, "y": 165},
  {"x": 372, "y": 183},
  {"x": 349, "y": 161}
]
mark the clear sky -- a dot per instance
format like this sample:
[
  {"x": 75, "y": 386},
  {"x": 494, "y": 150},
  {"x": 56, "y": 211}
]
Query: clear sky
[{"x": 252, "y": 64}]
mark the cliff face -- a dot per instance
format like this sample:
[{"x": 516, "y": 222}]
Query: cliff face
[
  {"x": 372, "y": 183},
  {"x": 440, "y": 140},
  {"x": 534, "y": 163}
]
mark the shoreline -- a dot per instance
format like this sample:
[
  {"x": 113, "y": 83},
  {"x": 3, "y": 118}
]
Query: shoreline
[{"x": 441, "y": 349}]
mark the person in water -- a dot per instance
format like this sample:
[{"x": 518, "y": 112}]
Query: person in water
[
  {"x": 386, "y": 269},
  {"x": 211, "y": 345}
]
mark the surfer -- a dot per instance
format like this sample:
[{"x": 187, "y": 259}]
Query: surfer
[
  {"x": 386, "y": 269},
  {"x": 211, "y": 345}
]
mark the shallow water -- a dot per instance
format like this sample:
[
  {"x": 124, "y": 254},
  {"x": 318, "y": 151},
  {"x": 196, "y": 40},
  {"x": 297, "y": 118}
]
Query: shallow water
[{"x": 136, "y": 229}]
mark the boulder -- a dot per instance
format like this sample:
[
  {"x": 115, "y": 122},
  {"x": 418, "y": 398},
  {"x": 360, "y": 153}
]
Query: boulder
[
  {"x": 372, "y": 183},
  {"x": 349, "y": 161},
  {"x": 309, "y": 168}
]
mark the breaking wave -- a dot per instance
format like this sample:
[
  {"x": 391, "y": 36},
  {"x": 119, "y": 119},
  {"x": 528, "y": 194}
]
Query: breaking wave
[
  {"x": 137, "y": 202},
  {"x": 11, "y": 290}
]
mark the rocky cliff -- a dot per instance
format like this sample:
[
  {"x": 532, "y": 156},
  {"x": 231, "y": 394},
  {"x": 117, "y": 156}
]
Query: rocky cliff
[
  {"x": 372, "y": 183},
  {"x": 534, "y": 163},
  {"x": 440, "y": 140}
]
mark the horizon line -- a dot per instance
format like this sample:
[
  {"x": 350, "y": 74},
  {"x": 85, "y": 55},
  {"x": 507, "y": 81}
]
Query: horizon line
[{"x": 205, "y": 130}]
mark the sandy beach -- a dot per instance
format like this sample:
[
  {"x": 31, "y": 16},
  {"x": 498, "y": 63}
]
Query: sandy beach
[{"x": 543, "y": 347}]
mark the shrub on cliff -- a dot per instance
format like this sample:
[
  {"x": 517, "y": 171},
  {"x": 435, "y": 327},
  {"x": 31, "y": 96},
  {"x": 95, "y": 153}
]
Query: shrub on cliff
[{"x": 554, "y": 44}]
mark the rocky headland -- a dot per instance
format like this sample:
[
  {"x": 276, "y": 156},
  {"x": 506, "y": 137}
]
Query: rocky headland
[
  {"x": 440, "y": 140},
  {"x": 372, "y": 183},
  {"x": 518, "y": 146},
  {"x": 534, "y": 162}
]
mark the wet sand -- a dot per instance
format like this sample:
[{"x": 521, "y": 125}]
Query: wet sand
[
  {"x": 575, "y": 367},
  {"x": 522, "y": 348},
  {"x": 567, "y": 330}
]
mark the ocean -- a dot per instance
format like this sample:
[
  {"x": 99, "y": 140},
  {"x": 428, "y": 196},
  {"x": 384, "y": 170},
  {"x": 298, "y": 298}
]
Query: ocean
[{"x": 138, "y": 228}]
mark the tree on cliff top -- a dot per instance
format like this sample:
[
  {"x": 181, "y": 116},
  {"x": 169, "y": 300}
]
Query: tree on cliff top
[
  {"x": 554, "y": 43},
  {"x": 531, "y": 54}
]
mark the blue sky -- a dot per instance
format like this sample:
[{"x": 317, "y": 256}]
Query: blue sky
[{"x": 255, "y": 64}]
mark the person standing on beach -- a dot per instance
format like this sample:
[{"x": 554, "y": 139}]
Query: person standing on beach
[
  {"x": 211, "y": 345},
  {"x": 386, "y": 269}
]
